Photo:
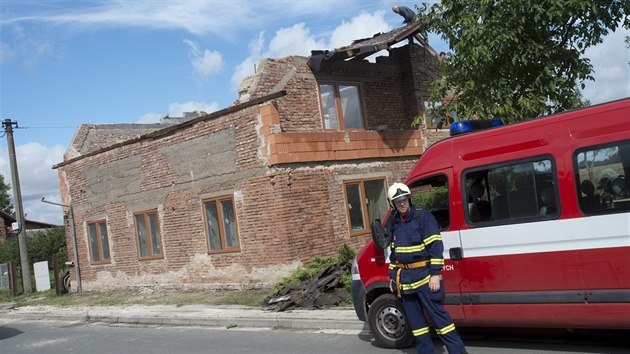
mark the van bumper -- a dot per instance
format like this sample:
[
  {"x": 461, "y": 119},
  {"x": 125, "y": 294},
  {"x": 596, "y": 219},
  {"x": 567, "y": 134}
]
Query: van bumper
[{"x": 357, "y": 289}]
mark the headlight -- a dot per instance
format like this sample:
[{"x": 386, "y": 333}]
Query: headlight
[{"x": 355, "y": 270}]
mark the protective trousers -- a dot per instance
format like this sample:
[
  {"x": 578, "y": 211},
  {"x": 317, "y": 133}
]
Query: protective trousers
[{"x": 424, "y": 299}]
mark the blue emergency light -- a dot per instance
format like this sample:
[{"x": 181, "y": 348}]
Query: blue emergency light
[{"x": 467, "y": 126}]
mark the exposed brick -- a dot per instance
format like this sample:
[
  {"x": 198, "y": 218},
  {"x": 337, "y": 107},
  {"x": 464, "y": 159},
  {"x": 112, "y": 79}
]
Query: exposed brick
[{"x": 284, "y": 171}]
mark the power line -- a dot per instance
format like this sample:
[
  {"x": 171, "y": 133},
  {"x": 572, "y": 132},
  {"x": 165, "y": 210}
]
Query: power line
[{"x": 50, "y": 127}]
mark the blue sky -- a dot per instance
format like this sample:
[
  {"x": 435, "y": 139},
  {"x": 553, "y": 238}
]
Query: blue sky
[{"x": 64, "y": 63}]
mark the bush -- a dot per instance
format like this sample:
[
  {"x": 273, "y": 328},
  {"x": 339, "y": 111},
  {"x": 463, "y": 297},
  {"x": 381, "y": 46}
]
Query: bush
[
  {"x": 42, "y": 246},
  {"x": 309, "y": 270}
]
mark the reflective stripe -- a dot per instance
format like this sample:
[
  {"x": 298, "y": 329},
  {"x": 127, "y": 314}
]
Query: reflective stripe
[
  {"x": 417, "y": 284},
  {"x": 414, "y": 265},
  {"x": 392, "y": 266},
  {"x": 409, "y": 249},
  {"x": 432, "y": 238},
  {"x": 420, "y": 331},
  {"x": 445, "y": 330},
  {"x": 400, "y": 266},
  {"x": 437, "y": 261}
]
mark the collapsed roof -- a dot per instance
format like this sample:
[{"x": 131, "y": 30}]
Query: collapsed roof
[{"x": 363, "y": 48}]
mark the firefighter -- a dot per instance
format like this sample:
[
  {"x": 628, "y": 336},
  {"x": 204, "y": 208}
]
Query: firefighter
[{"x": 416, "y": 261}]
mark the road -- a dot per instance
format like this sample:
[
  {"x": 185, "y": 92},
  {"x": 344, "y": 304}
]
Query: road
[{"x": 54, "y": 337}]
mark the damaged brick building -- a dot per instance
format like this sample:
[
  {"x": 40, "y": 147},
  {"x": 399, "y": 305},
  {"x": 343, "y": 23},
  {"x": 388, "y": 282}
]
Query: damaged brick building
[{"x": 296, "y": 167}]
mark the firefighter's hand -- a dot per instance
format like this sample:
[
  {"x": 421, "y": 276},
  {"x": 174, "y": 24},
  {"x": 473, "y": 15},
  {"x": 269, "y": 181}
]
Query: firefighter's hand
[
  {"x": 434, "y": 283},
  {"x": 391, "y": 285}
]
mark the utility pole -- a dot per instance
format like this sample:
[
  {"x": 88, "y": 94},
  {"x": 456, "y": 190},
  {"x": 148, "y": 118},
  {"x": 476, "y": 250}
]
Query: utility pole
[{"x": 19, "y": 211}]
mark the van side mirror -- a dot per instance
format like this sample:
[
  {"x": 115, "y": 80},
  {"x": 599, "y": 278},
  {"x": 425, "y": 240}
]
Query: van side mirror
[{"x": 380, "y": 236}]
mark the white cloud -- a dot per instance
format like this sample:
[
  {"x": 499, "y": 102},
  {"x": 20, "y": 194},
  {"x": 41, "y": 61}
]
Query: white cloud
[
  {"x": 205, "y": 63},
  {"x": 295, "y": 40},
  {"x": 28, "y": 47},
  {"x": 298, "y": 40},
  {"x": 246, "y": 67},
  {"x": 363, "y": 26},
  {"x": 611, "y": 70},
  {"x": 197, "y": 17},
  {"x": 177, "y": 109},
  {"x": 37, "y": 179}
]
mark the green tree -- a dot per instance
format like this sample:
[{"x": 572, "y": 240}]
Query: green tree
[
  {"x": 42, "y": 246},
  {"x": 517, "y": 59},
  {"x": 5, "y": 200},
  {"x": 9, "y": 251},
  {"x": 48, "y": 244}
]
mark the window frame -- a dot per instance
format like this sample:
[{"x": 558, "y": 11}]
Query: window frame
[
  {"x": 222, "y": 235},
  {"x": 511, "y": 220},
  {"x": 601, "y": 210},
  {"x": 102, "y": 259},
  {"x": 146, "y": 214},
  {"x": 338, "y": 104},
  {"x": 364, "y": 207},
  {"x": 415, "y": 187}
]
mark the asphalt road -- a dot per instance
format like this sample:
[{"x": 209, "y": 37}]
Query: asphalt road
[{"x": 52, "y": 337}]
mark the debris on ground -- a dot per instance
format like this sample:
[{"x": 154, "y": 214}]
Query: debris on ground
[{"x": 325, "y": 289}]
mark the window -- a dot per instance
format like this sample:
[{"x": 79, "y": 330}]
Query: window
[
  {"x": 148, "y": 234},
  {"x": 366, "y": 200},
  {"x": 221, "y": 225},
  {"x": 99, "y": 242},
  {"x": 432, "y": 194},
  {"x": 601, "y": 175},
  {"x": 341, "y": 106},
  {"x": 511, "y": 192}
]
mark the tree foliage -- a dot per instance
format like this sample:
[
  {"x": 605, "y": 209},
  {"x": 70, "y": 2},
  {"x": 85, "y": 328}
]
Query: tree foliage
[
  {"x": 42, "y": 246},
  {"x": 517, "y": 59},
  {"x": 5, "y": 200},
  {"x": 9, "y": 251},
  {"x": 48, "y": 244}
]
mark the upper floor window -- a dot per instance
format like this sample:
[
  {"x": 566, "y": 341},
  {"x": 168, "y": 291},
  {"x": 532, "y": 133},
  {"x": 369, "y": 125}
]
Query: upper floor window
[
  {"x": 432, "y": 194},
  {"x": 341, "y": 106},
  {"x": 512, "y": 192},
  {"x": 221, "y": 225},
  {"x": 365, "y": 200},
  {"x": 99, "y": 242},
  {"x": 148, "y": 234},
  {"x": 601, "y": 178}
]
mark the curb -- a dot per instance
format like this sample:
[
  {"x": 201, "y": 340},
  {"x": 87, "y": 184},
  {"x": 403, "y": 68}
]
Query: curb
[{"x": 273, "y": 320}]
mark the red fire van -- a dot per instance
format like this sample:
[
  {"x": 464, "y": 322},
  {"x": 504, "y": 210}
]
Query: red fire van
[{"x": 535, "y": 220}]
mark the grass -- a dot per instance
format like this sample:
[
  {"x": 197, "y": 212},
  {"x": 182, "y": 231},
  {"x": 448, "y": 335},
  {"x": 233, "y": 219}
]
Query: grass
[
  {"x": 255, "y": 297},
  {"x": 121, "y": 297}
]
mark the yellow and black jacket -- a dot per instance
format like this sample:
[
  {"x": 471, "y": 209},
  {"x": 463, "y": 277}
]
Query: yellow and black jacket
[{"x": 417, "y": 249}]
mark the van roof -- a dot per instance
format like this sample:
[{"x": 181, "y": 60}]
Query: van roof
[{"x": 504, "y": 139}]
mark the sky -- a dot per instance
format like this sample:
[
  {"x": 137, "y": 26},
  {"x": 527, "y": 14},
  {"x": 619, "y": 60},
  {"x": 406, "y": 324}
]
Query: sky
[{"x": 67, "y": 62}]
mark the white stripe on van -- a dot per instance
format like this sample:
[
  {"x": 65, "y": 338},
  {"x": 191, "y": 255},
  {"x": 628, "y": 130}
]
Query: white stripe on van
[{"x": 603, "y": 231}]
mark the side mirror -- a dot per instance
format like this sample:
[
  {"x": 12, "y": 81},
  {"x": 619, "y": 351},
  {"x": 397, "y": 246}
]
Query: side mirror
[{"x": 380, "y": 236}]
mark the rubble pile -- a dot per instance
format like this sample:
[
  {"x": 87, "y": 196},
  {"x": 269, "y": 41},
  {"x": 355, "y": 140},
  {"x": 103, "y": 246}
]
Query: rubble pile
[{"x": 324, "y": 290}]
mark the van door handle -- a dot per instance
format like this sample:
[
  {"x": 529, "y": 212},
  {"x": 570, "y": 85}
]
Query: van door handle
[{"x": 456, "y": 253}]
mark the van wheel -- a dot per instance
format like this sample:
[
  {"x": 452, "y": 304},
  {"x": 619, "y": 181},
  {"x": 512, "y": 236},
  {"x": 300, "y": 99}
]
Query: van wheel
[{"x": 388, "y": 323}]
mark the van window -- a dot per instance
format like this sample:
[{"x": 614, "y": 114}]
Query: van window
[
  {"x": 513, "y": 192},
  {"x": 432, "y": 194},
  {"x": 601, "y": 175}
]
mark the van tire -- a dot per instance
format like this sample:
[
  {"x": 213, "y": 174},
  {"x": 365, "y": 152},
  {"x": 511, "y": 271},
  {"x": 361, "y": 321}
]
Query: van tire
[{"x": 388, "y": 323}]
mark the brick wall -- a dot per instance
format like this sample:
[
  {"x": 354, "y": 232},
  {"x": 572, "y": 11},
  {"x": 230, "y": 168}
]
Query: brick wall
[{"x": 288, "y": 210}]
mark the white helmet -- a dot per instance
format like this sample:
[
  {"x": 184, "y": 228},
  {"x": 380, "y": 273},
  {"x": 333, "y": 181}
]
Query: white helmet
[{"x": 397, "y": 191}]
